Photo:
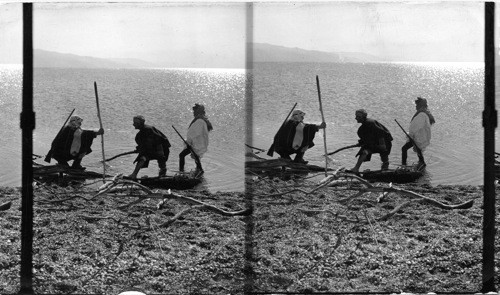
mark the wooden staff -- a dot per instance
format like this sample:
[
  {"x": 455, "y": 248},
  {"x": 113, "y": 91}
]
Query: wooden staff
[
  {"x": 270, "y": 152},
  {"x": 49, "y": 154},
  {"x": 190, "y": 148},
  {"x": 122, "y": 154},
  {"x": 324, "y": 130},
  {"x": 343, "y": 148},
  {"x": 102, "y": 135},
  {"x": 419, "y": 151}
]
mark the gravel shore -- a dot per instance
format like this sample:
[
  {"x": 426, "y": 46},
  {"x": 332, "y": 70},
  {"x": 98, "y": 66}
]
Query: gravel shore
[{"x": 299, "y": 238}]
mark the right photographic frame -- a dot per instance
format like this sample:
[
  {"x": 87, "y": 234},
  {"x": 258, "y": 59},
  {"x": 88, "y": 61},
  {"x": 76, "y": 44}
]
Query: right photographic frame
[{"x": 365, "y": 163}]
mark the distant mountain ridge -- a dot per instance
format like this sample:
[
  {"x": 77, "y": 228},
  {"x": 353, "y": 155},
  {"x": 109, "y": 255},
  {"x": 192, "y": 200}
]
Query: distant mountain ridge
[
  {"x": 51, "y": 59},
  {"x": 263, "y": 52}
]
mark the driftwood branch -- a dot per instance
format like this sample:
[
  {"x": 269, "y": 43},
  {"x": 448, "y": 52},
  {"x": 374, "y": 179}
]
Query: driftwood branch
[
  {"x": 118, "y": 181},
  {"x": 174, "y": 196},
  {"x": 370, "y": 188},
  {"x": 122, "y": 154},
  {"x": 177, "y": 216},
  {"x": 364, "y": 187},
  {"x": 396, "y": 210}
]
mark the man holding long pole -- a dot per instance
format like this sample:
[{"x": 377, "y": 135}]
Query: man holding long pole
[
  {"x": 295, "y": 137},
  {"x": 196, "y": 142},
  {"x": 419, "y": 136}
]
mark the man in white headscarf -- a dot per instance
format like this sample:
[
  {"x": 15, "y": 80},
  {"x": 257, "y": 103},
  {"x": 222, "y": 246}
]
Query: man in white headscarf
[
  {"x": 73, "y": 143},
  {"x": 420, "y": 132},
  {"x": 197, "y": 138},
  {"x": 296, "y": 137}
]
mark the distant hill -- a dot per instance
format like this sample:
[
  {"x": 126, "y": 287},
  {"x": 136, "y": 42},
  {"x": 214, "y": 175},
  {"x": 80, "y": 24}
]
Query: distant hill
[
  {"x": 261, "y": 53},
  {"x": 50, "y": 59},
  {"x": 359, "y": 57},
  {"x": 273, "y": 53}
]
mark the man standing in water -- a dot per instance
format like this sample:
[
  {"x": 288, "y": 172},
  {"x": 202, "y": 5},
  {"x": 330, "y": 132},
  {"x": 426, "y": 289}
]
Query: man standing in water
[
  {"x": 152, "y": 144},
  {"x": 197, "y": 138},
  {"x": 374, "y": 138},
  {"x": 295, "y": 137},
  {"x": 420, "y": 132},
  {"x": 73, "y": 143}
]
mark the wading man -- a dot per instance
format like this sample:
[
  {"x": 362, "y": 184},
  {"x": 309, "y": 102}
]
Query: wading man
[
  {"x": 420, "y": 132},
  {"x": 73, "y": 143},
  {"x": 197, "y": 138},
  {"x": 152, "y": 144},
  {"x": 296, "y": 137},
  {"x": 374, "y": 138}
]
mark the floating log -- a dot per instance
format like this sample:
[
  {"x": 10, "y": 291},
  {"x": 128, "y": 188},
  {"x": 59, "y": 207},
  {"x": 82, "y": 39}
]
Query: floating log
[
  {"x": 60, "y": 174},
  {"x": 288, "y": 167},
  {"x": 282, "y": 168},
  {"x": 401, "y": 175},
  {"x": 177, "y": 182},
  {"x": 282, "y": 164},
  {"x": 57, "y": 171}
]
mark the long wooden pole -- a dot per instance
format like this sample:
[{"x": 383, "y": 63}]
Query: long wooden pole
[
  {"x": 195, "y": 155},
  {"x": 102, "y": 135},
  {"x": 419, "y": 151},
  {"x": 323, "y": 120}
]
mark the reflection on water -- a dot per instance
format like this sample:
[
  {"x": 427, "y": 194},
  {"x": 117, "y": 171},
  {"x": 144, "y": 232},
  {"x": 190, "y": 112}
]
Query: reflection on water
[
  {"x": 387, "y": 92},
  {"x": 164, "y": 96}
]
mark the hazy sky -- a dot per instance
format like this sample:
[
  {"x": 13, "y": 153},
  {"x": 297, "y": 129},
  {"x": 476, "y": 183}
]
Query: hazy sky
[
  {"x": 432, "y": 31},
  {"x": 214, "y": 34},
  {"x": 186, "y": 34}
]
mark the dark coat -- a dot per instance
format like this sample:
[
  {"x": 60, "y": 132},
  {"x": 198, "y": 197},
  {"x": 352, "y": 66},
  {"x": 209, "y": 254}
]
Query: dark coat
[
  {"x": 62, "y": 144},
  {"x": 283, "y": 139},
  {"x": 370, "y": 134},
  {"x": 152, "y": 144}
]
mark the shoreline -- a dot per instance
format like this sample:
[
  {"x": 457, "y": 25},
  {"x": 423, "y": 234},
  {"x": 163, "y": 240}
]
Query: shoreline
[{"x": 92, "y": 244}]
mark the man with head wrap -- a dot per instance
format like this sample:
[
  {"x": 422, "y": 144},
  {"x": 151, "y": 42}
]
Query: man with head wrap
[
  {"x": 420, "y": 132},
  {"x": 295, "y": 137},
  {"x": 73, "y": 143},
  {"x": 374, "y": 138},
  {"x": 197, "y": 138},
  {"x": 152, "y": 144}
]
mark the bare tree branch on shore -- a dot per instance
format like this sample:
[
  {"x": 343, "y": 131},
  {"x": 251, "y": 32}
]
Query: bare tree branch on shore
[
  {"x": 118, "y": 183},
  {"x": 361, "y": 187}
]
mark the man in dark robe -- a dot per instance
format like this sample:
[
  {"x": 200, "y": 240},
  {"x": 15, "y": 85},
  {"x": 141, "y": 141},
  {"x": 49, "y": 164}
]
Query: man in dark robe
[
  {"x": 72, "y": 143},
  {"x": 152, "y": 144},
  {"x": 374, "y": 138},
  {"x": 295, "y": 137}
]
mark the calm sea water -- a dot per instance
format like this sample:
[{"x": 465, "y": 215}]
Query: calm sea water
[
  {"x": 163, "y": 96},
  {"x": 387, "y": 91}
]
